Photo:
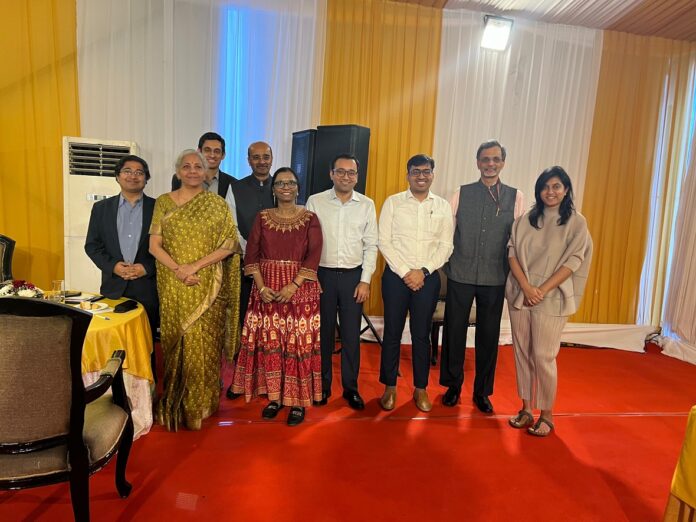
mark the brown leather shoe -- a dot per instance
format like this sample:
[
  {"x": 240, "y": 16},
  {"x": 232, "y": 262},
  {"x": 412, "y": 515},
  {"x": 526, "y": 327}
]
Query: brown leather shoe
[
  {"x": 420, "y": 396},
  {"x": 388, "y": 400}
]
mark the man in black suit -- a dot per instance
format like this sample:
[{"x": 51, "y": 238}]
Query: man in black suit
[
  {"x": 212, "y": 146},
  {"x": 118, "y": 240}
]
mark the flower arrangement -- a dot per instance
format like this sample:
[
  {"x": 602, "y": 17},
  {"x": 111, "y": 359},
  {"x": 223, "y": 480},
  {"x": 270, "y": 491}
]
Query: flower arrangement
[{"x": 20, "y": 288}]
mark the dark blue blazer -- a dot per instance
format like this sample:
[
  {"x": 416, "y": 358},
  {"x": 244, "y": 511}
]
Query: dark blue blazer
[{"x": 103, "y": 248}]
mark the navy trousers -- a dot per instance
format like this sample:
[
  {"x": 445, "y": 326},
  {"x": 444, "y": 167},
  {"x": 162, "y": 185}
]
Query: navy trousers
[{"x": 398, "y": 301}]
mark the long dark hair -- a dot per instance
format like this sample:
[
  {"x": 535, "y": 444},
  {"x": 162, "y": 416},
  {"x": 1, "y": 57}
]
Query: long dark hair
[{"x": 566, "y": 208}]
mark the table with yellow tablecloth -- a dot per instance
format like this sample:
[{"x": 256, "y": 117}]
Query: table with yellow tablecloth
[
  {"x": 681, "y": 506},
  {"x": 129, "y": 331}
]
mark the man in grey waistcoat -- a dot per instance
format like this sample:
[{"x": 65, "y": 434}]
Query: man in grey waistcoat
[{"x": 477, "y": 269}]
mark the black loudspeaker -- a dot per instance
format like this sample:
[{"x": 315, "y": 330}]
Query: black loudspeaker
[
  {"x": 302, "y": 161},
  {"x": 332, "y": 140}
]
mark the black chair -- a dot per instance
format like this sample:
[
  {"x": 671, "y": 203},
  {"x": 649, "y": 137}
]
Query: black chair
[
  {"x": 52, "y": 428},
  {"x": 6, "y": 252},
  {"x": 439, "y": 318}
]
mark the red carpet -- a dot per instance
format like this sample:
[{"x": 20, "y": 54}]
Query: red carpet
[{"x": 620, "y": 422}]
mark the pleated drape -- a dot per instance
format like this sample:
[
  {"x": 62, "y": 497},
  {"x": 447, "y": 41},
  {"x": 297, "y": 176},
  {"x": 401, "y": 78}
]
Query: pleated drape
[
  {"x": 623, "y": 151},
  {"x": 39, "y": 105},
  {"x": 381, "y": 71}
]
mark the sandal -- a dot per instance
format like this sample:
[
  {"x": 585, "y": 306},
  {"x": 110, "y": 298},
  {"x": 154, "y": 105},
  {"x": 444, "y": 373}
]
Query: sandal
[
  {"x": 521, "y": 420},
  {"x": 296, "y": 416},
  {"x": 271, "y": 410},
  {"x": 534, "y": 430}
]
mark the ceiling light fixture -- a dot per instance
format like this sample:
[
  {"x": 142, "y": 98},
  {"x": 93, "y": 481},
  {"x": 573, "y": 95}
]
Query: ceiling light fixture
[{"x": 496, "y": 32}]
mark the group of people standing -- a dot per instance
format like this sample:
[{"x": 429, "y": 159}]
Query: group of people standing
[{"x": 262, "y": 279}]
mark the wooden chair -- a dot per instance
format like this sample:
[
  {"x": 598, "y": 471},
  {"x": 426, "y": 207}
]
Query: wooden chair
[
  {"x": 6, "y": 252},
  {"x": 439, "y": 317},
  {"x": 52, "y": 428}
]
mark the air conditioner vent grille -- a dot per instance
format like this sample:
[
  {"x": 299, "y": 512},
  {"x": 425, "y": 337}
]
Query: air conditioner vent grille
[{"x": 94, "y": 159}]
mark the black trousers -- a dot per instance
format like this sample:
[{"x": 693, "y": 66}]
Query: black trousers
[
  {"x": 398, "y": 301},
  {"x": 489, "y": 309},
  {"x": 245, "y": 286},
  {"x": 338, "y": 287}
]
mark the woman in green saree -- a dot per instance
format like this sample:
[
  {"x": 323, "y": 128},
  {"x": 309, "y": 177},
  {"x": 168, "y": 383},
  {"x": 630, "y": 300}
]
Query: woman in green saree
[{"x": 194, "y": 240}]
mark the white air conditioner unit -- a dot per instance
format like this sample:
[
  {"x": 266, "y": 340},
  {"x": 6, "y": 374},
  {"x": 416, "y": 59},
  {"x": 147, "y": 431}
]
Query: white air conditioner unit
[{"x": 88, "y": 176}]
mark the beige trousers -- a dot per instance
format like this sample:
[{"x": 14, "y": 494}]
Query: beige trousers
[{"x": 536, "y": 338}]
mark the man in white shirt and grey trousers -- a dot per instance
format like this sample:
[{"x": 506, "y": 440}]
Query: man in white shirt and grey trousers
[
  {"x": 348, "y": 260},
  {"x": 415, "y": 238}
]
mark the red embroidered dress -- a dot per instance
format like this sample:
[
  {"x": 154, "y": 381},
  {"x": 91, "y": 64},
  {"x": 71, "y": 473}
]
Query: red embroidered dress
[{"x": 280, "y": 354}]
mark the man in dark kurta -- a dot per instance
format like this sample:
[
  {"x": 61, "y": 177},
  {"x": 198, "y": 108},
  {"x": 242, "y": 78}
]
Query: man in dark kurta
[
  {"x": 484, "y": 212},
  {"x": 246, "y": 198}
]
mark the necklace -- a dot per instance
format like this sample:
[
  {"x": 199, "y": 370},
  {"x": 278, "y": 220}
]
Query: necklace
[{"x": 495, "y": 197}]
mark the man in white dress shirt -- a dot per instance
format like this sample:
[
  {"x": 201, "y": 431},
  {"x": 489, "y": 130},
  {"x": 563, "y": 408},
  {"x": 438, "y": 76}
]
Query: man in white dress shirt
[
  {"x": 348, "y": 260},
  {"x": 415, "y": 238}
]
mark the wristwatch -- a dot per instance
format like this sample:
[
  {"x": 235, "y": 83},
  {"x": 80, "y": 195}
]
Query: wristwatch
[{"x": 426, "y": 272}]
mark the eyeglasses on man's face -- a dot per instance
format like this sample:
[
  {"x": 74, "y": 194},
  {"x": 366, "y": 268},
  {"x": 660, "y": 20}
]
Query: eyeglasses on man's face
[
  {"x": 342, "y": 173},
  {"x": 489, "y": 159},
  {"x": 283, "y": 184},
  {"x": 420, "y": 172},
  {"x": 131, "y": 172}
]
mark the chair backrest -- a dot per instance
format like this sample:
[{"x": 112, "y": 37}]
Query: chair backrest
[
  {"x": 6, "y": 252},
  {"x": 40, "y": 369},
  {"x": 443, "y": 284}
]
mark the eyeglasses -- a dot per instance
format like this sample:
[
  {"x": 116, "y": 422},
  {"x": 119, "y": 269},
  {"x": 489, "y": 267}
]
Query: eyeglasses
[
  {"x": 491, "y": 160},
  {"x": 129, "y": 172},
  {"x": 342, "y": 173},
  {"x": 417, "y": 172},
  {"x": 283, "y": 184}
]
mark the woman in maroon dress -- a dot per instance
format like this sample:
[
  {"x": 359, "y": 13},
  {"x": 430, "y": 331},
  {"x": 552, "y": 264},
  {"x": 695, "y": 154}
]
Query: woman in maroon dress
[{"x": 280, "y": 354}]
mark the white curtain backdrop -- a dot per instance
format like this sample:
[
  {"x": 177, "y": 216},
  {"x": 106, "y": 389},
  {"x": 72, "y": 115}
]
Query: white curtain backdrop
[
  {"x": 537, "y": 98},
  {"x": 162, "y": 72},
  {"x": 679, "y": 327}
]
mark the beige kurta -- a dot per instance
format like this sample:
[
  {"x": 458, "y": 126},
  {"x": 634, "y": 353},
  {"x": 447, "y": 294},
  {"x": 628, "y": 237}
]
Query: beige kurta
[{"x": 541, "y": 252}]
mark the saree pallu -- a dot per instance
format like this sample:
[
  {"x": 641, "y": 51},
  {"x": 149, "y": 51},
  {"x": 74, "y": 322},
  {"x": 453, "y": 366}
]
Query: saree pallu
[
  {"x": 197, "y": 322},
  {"x": 280, "y": 353}
]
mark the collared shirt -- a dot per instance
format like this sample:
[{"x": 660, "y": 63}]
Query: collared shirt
[
  {"x": 349, "y": 229},
  {"x": 129, "y": 223},
  {"x": 212, "y": 185},
  {"x": 246, "y": 198},
  {"x": 519, "y": 203},
  {"x": 483, "y": 218},
  {"x": 415, "y": 234}
]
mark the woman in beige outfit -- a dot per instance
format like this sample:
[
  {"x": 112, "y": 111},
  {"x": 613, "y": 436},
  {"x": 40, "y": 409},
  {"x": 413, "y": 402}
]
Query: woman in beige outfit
[{"x": 550, "y": 250}]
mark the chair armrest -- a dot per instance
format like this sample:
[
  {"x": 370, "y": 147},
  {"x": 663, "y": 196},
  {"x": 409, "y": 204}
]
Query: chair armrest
[{"x": 106, "y": 378}]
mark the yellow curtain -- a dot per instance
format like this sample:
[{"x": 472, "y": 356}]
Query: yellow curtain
[
  {"x": 620, "y": 168},
  {"x": 39, "y": 105},
  {"x": 678, "y": 107},
  {"x": 381, "y": 71}
]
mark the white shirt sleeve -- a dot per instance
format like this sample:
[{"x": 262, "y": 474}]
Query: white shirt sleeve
[
  {"x": 229, "y": 199},
  {"x": 370, "y": 240},
  {"x": 391, "y": 254}
]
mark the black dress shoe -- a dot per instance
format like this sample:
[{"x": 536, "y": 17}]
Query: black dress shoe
[
  {"x": 451, "y": 397},
  {"x": 296, "y": 416},
  {"x": 271, "y": 410},
  {"x": 324, "y": 399},
  {"x": 482, "y": 403},
  {"x": 354, "y": 400},
  {"x": 231, "y": 395}
]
